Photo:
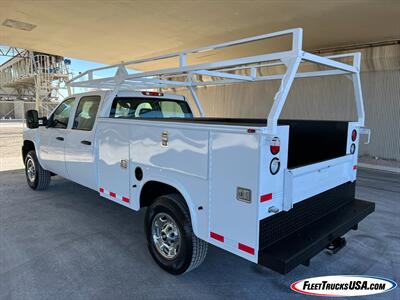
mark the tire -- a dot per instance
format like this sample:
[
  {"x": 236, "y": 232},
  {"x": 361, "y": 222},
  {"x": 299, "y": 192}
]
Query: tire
[
  {"x": 191, "y": 251},
  {"x": 37, "y": 177}
]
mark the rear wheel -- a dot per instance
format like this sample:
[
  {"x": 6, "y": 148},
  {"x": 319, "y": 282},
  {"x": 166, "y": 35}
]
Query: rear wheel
[
  {"x": 37, "y": 177},
  {"x": 170, "y": 236}
]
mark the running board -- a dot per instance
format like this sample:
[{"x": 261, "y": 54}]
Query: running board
[{"x": 300, "y": 246}]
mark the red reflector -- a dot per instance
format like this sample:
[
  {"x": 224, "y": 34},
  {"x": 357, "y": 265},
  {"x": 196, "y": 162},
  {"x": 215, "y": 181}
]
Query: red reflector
[
  {"x": 266, "y": 197},
  {"x": 152, "y": 94},
  {"x": 251, "y": 130},
  {"x": 246, "y": 248},
  {"x": 275, "y": 149},
  {"x": 125, "y": 199},
  {"x": 353, "y": 135},
  {"x": 354, "y": 167},
  {"x": 216, "y": 236},
  {"x": 275, "y": 145},
  {"x": 101, "y": 190},
  {"x": 114, "y": 195}
]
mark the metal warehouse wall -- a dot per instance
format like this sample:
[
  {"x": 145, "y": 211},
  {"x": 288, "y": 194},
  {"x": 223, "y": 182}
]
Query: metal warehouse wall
[{"x": 327, "y": 98}]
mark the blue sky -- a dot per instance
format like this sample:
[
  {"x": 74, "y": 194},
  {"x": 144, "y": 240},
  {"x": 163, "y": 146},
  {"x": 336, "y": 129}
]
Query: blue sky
[{"x": 78, "y": 65}]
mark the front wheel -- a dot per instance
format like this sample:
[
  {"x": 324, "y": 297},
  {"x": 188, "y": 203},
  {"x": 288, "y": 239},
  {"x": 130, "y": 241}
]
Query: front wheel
[
  {"x": 170, "y": 236},
  {"x": 37, "y": 177}
]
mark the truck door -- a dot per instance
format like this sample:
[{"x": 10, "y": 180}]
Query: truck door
[
  {"x": 79, "y": 146},
  {"x": 52, "y": 138}
]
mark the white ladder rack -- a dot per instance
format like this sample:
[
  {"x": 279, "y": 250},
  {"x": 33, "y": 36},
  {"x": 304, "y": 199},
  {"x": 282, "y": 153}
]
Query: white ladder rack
[{"x": 184, "y": 74}]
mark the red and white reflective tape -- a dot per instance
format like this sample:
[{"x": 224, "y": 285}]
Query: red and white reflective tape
[
  {"x": 114, "y": 195},
  {"x": 240, "y": 246},
  {"x": 266, "y": 197},
  {"x": 246, "y": 248},
  {"x": 217, "y": 237}
]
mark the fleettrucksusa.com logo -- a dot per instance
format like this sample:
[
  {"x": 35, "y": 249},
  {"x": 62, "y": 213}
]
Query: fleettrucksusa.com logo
[{"x": 343, "y": 285}]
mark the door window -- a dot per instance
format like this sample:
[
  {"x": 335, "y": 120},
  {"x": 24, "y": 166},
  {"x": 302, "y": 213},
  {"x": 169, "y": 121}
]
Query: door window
[
  {"x": 60, "y": 117},
  {"x": 86, "y": 112}
]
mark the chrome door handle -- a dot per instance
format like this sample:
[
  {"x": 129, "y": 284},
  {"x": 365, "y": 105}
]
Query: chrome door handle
[{"x": 86, "y": 142}]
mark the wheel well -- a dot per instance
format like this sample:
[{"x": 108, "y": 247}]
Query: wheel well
[
  {"x": 153, "y": 189},
  {"x": 28, "y": 146}
]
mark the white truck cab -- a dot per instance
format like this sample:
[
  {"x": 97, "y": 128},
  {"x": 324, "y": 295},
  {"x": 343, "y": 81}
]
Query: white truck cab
[
  {"x": 253, "y": 187},
  {"x": 66, "y": 144}
]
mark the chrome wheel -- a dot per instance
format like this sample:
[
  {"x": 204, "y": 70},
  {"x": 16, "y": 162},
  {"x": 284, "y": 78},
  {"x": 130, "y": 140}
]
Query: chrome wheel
[
  {"x": 30, "y": 169},
  {"x": 166, "y": 235}
]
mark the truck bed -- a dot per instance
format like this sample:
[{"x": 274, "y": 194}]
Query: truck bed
[{"x": 310, "y": 141}]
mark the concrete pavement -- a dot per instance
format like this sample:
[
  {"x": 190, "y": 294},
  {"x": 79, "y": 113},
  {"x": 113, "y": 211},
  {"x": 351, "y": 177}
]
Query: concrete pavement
[{"x": 69, "y": 243}]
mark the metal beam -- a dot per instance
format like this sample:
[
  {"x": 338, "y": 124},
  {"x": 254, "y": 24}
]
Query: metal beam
[
  {"x": 329, "y": 62},
  {"x": 223, "y": 75},
  {"x": 282, "y": 93}
]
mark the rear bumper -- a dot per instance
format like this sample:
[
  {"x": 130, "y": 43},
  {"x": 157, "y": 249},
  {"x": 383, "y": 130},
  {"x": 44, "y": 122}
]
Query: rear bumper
[{"x": 294, "y": 237}]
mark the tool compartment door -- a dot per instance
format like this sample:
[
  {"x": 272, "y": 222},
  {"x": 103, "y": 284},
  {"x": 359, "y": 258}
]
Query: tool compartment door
[
  {"x": 234, "y": 165},
  {"x": 113, "y": 163}
]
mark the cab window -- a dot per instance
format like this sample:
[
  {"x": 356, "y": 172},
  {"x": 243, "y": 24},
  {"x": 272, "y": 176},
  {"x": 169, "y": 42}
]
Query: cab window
[
  {"x": 60, "y": 117},
  {"x": 86, "y": 112},
  {"x": 132, "y": 107}
]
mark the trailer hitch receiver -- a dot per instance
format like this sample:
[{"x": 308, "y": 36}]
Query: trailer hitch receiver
[{"x": 336, "y": 245}]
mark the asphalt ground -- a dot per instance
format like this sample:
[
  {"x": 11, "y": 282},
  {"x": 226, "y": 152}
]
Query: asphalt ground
[{"x": 69, "y": 243}]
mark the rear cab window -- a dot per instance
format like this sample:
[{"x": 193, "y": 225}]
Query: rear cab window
[{"x": 136, "y": 107}]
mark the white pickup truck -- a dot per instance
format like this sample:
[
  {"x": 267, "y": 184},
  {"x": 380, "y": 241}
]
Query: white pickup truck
[{"x": 275, "y": 192}]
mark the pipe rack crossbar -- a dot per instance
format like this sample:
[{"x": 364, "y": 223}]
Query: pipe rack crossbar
[{"x": 226, "y": 72}]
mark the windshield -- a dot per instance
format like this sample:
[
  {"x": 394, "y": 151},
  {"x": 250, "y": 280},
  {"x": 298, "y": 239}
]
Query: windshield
[{"x": 134, "y": 107}]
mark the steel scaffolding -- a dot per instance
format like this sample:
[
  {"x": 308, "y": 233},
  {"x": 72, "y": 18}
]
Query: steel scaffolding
[{"x": 33, "y": 76}]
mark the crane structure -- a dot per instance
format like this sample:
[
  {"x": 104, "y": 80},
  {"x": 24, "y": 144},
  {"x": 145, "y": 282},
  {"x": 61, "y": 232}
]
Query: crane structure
[{"x": 32, "y": 76}]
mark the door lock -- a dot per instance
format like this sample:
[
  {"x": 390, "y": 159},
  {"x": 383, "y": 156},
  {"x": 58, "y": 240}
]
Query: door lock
[
  {"x": 164, "y": 139},
  {"x": 124, "y": 163}
]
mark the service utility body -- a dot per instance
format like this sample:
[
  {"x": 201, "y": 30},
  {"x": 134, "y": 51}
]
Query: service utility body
[{"x": 275, "y": 192}]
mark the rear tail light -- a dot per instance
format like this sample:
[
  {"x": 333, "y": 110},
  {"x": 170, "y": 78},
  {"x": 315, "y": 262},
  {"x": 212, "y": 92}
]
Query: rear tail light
[
  {"x": 353, "y": 135},
  {"x": 152, "y": 94},
  {"x": 275, "y": 146},
  {"x": 274, "y": 166}
]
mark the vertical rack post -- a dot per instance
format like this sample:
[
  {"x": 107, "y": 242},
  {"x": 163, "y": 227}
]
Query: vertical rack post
[
  {"x": 357, "y": 89},
  {"x": 292, "y": 65}
]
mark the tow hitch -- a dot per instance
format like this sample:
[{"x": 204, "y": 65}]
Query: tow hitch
[{"x": 336, "y": 245}]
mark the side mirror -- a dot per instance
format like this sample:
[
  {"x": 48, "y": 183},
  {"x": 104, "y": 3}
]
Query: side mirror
[{"x": 32, "y": 119}]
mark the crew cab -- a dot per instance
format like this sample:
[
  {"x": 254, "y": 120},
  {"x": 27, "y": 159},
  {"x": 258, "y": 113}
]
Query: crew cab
[{"x": 273, "y": 191}]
